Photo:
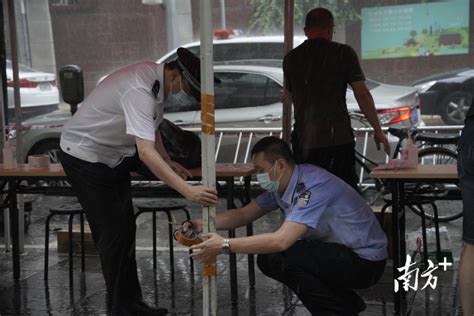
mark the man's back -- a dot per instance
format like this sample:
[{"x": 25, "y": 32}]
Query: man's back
[{"x": 317, "y": 73}]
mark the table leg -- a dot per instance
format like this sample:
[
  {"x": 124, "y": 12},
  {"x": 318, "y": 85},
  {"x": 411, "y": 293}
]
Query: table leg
[
  {"x": 250, "y": 257},
  {"x": 232, "y": 256},
  {"x": 395, "y": 241},
  {"x": 14, "y": 222}
]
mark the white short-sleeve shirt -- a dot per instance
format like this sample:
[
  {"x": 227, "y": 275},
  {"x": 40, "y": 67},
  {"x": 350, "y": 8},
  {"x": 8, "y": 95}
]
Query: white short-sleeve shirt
[{"x": 123, "y": 106}]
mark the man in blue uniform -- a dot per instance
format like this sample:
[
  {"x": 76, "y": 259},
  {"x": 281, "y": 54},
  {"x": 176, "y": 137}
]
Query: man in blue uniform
[{"x": 329, "y": 244}]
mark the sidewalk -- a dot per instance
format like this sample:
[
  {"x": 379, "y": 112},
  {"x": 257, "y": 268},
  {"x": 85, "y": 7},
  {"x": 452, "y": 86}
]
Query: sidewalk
[{"x": 33, "y": 296}]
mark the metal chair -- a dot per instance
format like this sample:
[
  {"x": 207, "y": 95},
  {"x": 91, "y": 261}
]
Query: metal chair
[
  {"x": 166, "y": 206},
  {"x": 419, "y": 202},
  {"x": 70, "y": 209}
]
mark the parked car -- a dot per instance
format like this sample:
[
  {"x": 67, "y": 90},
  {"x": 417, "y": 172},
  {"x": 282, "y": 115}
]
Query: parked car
[
  {"x": 38, "y": 91},
  {"x": 247, "y": 97},
  {"x": 241, "y": 48},
  {"x": 447, "y": 94}
]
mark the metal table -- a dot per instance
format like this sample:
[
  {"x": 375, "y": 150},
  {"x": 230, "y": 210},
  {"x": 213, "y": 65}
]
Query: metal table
[
  {"x": 13, "y": 177},
  {"x": 398, "y": 179}
]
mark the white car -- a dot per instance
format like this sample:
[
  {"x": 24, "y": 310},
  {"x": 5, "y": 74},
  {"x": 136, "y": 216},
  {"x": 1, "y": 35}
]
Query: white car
[
  {"x": 248, "y": 96},
  {"x": 241, "y": 48},
  {"x": 38, "y": 91}
]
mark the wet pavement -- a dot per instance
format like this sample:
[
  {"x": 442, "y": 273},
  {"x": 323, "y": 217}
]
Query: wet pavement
[{"x": 34, "y": 296}]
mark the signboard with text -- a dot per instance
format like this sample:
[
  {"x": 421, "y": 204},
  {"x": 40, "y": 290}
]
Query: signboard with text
[{"x": 412, "y": 30}]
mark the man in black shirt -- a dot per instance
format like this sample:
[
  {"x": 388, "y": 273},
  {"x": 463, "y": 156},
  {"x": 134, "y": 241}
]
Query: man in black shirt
[
  {"x": 466, "y": 181},
  {"x": 316, "y": 76}
]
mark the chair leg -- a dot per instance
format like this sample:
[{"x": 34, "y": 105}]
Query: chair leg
[
  {"x": 170, "y": 238},
  {"x": 382, "y": 212},
  {"x": 191, "y": 261},
  {"x": 71, "y": 266},
  {"x": 83, "y": 251},
  {"x": 46, "y": 246},
  {"x": 436, "y": 222},
  {"x": 154, "y": 240}
]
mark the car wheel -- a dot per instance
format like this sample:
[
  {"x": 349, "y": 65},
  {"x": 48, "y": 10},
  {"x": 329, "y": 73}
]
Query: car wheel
[
  {"x": 455, "y": 106},
  {"x": 48, "y": 147}
]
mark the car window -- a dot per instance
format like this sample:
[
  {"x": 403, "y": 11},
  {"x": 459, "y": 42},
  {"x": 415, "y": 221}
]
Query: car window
[
  {"x": 21, "y": 67},
  {"x": 181, "y": 108},
  {"x": 240, "y": 89},
  {"x": 239, "y": 51}
]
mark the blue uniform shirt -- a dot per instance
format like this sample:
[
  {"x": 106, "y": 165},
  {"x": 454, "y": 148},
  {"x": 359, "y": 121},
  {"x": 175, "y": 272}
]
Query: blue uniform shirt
[{"x": 332, "y": 211}]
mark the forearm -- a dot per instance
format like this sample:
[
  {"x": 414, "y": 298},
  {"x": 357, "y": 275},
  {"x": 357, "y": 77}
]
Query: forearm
[
  {"x": 367, "y": 106},
  {"x": 160, "y": 148},
  {"x": 163, "y": 171},
  {"x": 258, "y": 244},
  {"x": 226, "y": 220}
]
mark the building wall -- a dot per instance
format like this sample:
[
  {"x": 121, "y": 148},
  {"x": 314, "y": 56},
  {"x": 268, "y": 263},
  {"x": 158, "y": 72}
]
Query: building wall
[
  {"x": 238, "y": 13},
  {"x": 101, "y": 36},
  {"x": 40, "y": 42},
  {"x": 407, "y": 70}
]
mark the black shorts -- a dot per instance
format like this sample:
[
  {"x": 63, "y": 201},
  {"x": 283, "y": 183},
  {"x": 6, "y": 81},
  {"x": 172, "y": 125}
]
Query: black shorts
[{"x": 466, "y": 181}]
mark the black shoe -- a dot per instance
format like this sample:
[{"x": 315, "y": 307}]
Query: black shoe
[{"x": 140, "y": 308}]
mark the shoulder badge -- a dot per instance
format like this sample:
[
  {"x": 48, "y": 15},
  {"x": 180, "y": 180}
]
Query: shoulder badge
[
  {"x": 156, "y": 88},
  {"x": 303, "y": 198}
]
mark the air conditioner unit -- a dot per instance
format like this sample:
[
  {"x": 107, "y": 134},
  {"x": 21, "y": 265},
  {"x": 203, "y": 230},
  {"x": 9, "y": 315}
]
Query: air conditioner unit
[{"x": 152, "y": 1}]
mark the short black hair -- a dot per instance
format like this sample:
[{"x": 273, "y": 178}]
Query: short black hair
[
  {"x": 320, "y": 18},
  {"x": 273, "y": 148}
]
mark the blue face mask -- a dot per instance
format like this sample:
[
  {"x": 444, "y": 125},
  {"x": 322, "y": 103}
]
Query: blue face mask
[
  {"x": 179, "y": 99},
  {"x": 266, "y": 183}
]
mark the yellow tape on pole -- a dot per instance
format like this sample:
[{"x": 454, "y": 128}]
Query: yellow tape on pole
[{"x": 208, "y": 122}]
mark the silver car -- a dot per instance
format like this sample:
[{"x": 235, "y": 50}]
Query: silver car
[{"x": 247, "y": 97}]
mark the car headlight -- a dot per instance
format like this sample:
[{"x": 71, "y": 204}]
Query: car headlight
[{"x": 425, "y": 86}]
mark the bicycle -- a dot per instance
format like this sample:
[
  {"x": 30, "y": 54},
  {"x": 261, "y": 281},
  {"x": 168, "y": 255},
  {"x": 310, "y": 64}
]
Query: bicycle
[{"x": 430, "y": 153}]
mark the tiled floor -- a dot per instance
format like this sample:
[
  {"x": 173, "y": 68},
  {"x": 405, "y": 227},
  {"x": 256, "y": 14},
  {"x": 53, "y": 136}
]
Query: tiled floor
[{"x": 33, "y": 296}]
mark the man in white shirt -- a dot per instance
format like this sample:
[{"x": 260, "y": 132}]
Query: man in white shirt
[{"x": 115, "y": 127}]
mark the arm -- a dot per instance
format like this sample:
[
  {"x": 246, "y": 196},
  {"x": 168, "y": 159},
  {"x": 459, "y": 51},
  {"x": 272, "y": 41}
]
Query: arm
[
  {"x": 232, "y": 218},
  {"x": 367, "y": 107},
  {"x": 152, "y": 159},
  {"x": 160, "y": 148},
  {"x": 277, "y": 241}
]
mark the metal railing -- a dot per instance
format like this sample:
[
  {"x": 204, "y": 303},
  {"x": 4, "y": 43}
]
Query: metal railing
[
  {"x": 234, "y": 144},
  {"x": 246, "y": 137}
]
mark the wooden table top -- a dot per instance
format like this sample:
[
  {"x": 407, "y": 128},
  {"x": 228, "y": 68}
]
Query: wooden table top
[
  {"x": 421, "y": 172},
  {"x": 56, "y": 170}
]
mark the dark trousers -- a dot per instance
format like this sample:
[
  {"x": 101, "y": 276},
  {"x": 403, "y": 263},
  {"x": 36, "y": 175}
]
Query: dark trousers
[
  {"x": 105, "y": 195},
  {"x": 339, "y": 160},
  {"x": 323, "y": 275},
  {"x": 466, "y": 182}
]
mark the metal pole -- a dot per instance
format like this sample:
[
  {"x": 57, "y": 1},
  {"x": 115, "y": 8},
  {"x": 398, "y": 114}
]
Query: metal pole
[
  {"x": 208, "y": 150},
  {"x": 171, "y": 32},
  {"x": 223, "y": 21},
  {"x": 3, "y": 121},
  {"x": 16, "y": 93},
  {"x": 16, "y": 87},
  {"x": 288, "y": 45}
]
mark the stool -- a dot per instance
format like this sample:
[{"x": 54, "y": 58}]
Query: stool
[
  {"x": 166, "y": 206},
  {"x": 419, "y": 203},
  {"x": 70, "y": 209}
]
